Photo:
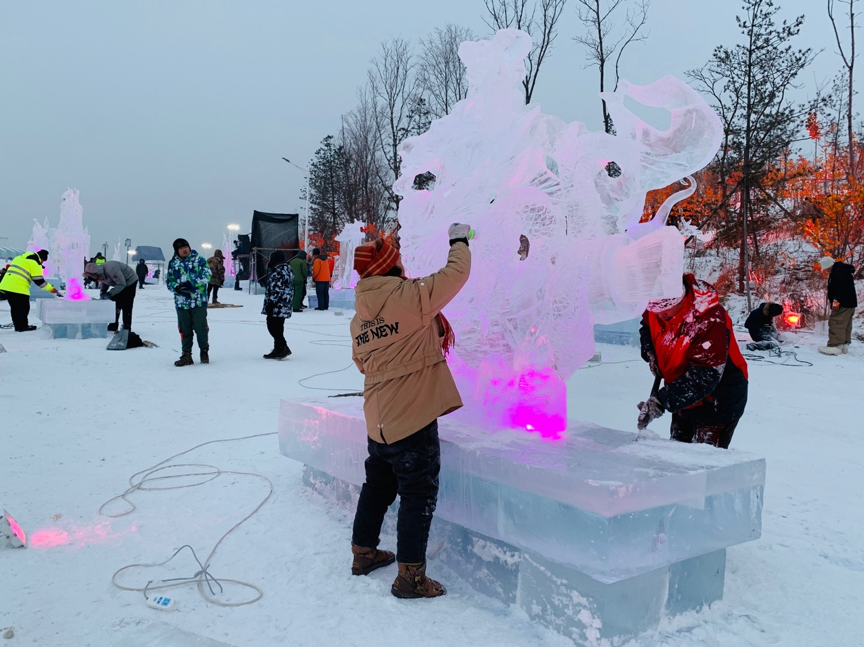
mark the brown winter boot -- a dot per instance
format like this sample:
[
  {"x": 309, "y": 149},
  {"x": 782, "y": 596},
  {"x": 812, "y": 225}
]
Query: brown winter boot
[
  {"x": 413, "y": 583},
  {"x": 205, "y": 356},
  {"x": 185, "y": 360},
  {"x": 367, "y": 560}
]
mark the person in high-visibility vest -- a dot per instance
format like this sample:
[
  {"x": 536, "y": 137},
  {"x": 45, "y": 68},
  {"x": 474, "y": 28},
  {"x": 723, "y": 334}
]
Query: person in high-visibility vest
[{"x": 24, "y": 270}]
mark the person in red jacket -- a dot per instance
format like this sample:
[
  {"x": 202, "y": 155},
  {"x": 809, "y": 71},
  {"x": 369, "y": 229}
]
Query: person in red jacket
[{"x": 690, "y": 343}]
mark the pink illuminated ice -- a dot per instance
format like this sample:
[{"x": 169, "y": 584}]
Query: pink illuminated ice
[
  {"x": 556, "y": 211},
  {"x": 74, "y": 290}
]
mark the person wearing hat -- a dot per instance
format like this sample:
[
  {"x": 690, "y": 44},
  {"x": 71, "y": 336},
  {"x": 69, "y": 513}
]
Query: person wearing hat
[
  {"x": 122, "y": 282},
  {"x": 399, "y": 342},
  {"x": 760, "y": 322},
  {"x": 844, "y": 300},
  {"x": 217, "y": 274},
  {"x": 689, "y": 342},
  {"x": 15, "y": 285},
  {"x": 188, "y": 276}
]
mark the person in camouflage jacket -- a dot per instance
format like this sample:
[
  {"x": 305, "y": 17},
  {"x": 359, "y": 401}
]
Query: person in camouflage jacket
[
  {"x": 187, "y": 277},
  {"x": 278, "y": 303}
]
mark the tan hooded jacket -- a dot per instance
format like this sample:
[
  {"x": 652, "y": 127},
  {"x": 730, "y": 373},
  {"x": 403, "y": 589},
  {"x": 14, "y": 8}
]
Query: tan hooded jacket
[{"x": 397, "y": 346}]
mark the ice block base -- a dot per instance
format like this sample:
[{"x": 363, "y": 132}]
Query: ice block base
[
  {"x": 65, "y": 319},
  {"x": 342, "y": 298},
  {"x": 594, "y": 536}
]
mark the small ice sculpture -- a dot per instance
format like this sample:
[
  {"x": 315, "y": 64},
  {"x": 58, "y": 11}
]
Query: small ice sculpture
[
  {"x": 117, "y": 256},
  {"x": 351, "y": 237},
  {"x": 556, "y": 210},
  {"x": 75, "y": 291},
  {"x": 68, "y": 244},
  {"x": 226, "y": 252}
]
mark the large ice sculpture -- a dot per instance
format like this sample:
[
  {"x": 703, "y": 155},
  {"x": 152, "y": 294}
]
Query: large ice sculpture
[
  {"x": 594, "y": 535},
  {"x": 68, "y": 244},
  {"x": 556, "y": 210}
]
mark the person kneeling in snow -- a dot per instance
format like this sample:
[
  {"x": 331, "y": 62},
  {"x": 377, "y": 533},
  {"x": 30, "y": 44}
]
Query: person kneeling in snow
[
  {"x": 760, "y": 322},
  {"x": 400, "y": 339},
  {"x": 690, "y": 343}
]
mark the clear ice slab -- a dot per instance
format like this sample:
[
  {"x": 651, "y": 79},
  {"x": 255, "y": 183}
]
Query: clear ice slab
[
  {"x": 594, "y": 535},
  {"x": 66, "y": 319}
]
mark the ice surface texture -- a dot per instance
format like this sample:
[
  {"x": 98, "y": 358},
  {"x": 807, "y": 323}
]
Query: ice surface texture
[
  {"x": 349, "y": 239},
  {"x": 64, "y": 311},
  {"x": 575, "y": 197},
  {"x": 596, "y": 502}
]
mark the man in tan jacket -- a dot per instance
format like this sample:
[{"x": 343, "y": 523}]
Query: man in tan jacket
[{"x": 400, "y": 339}]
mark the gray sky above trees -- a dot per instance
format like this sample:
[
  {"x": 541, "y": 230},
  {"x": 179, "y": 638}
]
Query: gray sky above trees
[{"x": 171, "y": 117}]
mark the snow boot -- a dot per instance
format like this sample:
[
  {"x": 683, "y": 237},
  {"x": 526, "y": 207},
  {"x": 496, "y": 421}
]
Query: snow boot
[
  {"x": 411, "y": 583},
  {"x": 27, "y": 329},
  {"x": 830, "y": 350},
  {"x": 185, "y": 360},
  {"x": 205, "y": 356},
  {"x": 367, "y": 560},
  {"x": 845, "y": 348},
  {"x": 112, "y": 327},
  {"x": 278, "y": 353}
]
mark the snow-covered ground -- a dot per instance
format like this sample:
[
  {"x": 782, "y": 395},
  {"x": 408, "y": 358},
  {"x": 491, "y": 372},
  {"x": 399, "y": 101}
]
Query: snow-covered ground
[{"x": 78, "y": 420}]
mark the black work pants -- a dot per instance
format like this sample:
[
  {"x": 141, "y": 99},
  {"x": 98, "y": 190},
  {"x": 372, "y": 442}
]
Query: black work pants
[
  {"x": 409, "y": 468},
  {"x": 717, "y": 433},
  {"x": 19, "y": 304},
  {"x": 214, "y": 289},
  {"x": 276, "y": 328},
  {"x": 123, "y": 303},
  {"x": 322, "y": 291}
]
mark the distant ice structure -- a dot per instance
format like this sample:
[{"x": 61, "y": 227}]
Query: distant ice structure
[
  {"x": 350, "y": 237},
  {"x": 117, "y": 256},
  {"x": 568, "y": 202},
  {"x": 68, "y": 244},
  {"x": 226, "y": 252}
]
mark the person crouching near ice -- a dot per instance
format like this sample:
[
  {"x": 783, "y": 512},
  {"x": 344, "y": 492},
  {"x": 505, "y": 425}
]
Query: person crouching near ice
[
  {"x": 690, "y": 343},
  {"x": 400, "y": 339}
]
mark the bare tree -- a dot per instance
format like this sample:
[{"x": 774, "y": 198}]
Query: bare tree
[
  {"x": 442, "y": 74},
  {"x": 366, "y": 198},
  {"x": 610, "y": 27},
  {"x": 537, "y": 18},
  {"x": 849, "y": 64},
  {"x": 396, "y": 99}
]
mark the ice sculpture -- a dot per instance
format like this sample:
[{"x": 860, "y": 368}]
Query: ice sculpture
[
  {"x": 226, "y": 252},
  {"x": 350, "y": 237},
  {"x": 68, "y": 244},
  {"x": 117, "y": 255},
  {"x": 556, "y": 209}
]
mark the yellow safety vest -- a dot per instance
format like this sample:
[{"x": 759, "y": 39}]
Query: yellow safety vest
[{"x": 21, "y": 273}]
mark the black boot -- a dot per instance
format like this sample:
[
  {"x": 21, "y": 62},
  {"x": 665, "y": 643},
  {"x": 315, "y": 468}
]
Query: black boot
[
  {"x": 205, "y": 356},
  {"x": 185, "y": 360}
]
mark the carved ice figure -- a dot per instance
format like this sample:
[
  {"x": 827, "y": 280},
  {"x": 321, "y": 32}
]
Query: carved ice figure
[
  {"x": 556, "y": 209},
  {"x": 350, "y": 237},
  {"x": 117, "y": 256},
  {"x": 71, "y": 241},
  {"x": 226, "y": 252}
]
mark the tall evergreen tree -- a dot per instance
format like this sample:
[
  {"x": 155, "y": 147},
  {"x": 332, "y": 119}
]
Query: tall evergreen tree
[{"x": 329, "y": 190}]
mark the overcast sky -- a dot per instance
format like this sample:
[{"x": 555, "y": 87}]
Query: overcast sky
[{"x": 171, "y": 117}]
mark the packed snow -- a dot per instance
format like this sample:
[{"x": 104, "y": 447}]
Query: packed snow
[{"x": 79, "y": 421}]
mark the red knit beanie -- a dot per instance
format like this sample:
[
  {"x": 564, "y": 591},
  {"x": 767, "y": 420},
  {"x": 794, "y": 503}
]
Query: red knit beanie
[{"x": 375, "y": 259}]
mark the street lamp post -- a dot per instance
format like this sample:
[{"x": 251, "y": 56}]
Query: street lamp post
[{"x": 306, "y": 218}]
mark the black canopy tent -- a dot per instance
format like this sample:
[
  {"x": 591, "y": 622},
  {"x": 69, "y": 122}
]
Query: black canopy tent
[
  {"x": 272, "y": 231},
  {"x": 154, "y": 258}
]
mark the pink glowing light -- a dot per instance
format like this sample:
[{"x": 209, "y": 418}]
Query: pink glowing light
[
  {"x": 77, "y": 536},
  {"x": 17, "y": 530},
  {"x": 75, "y": 291}
]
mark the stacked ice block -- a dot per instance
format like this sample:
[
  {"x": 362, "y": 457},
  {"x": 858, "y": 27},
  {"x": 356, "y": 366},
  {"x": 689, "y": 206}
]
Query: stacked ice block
[
  {"x": 67, "y": 319},
  {"x": 339, "y": 298},
  {"x": 595, "y": 535}
]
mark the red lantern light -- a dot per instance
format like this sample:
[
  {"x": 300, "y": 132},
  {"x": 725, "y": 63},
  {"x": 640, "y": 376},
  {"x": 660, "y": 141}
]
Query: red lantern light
[{"x": 792, "y": 320}]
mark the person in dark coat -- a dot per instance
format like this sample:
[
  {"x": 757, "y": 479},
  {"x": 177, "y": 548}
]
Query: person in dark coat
[
  {"x": 278, "y": 303},
  {"x": 844, "y": 300},
  {"x": 217, "y": 274},
  {"x": 760, "y": 322},
  {"x": 141, "y": 270},
  {"x": 690, "y": 343}
]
